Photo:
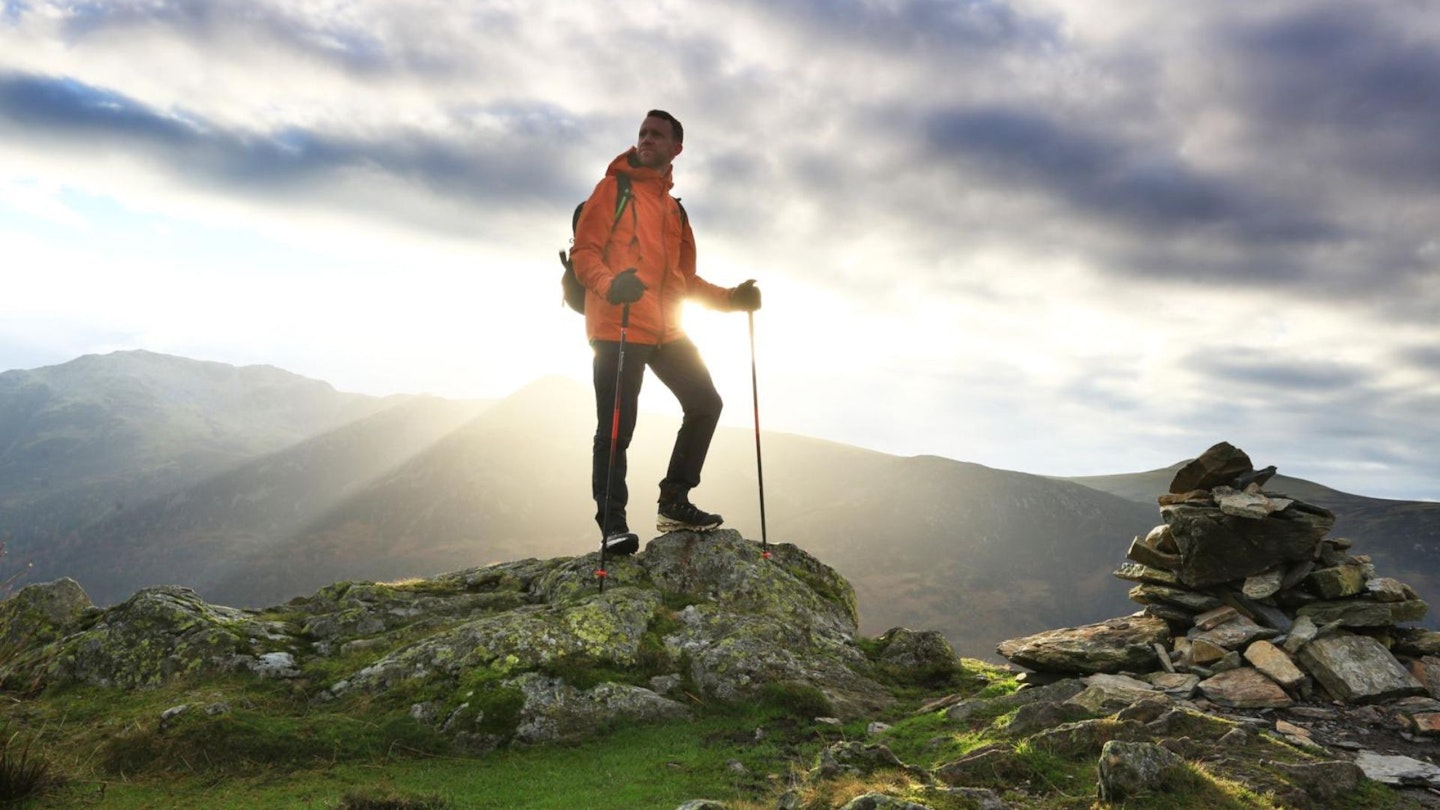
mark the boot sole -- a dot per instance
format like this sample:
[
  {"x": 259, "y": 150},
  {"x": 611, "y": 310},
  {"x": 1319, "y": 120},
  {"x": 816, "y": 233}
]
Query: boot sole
[{"x": 664, "y": 525}]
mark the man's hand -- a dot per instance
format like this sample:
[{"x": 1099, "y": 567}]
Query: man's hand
[
  {"x": 746, "y": 297},
  {"x": 625, "y": 288}
]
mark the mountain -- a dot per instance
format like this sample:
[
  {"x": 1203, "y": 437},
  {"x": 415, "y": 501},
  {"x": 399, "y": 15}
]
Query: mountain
[
  {"x": 316, "y": 486},
  {"x": 238, "y": 524},
  {"x": 929, "y": 542},
  {"x": 103, "y": 432}
]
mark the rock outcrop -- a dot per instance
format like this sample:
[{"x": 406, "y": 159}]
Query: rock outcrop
[
  {"x": 1242, "y": 588},
  {"x": 498, "y": 653}
]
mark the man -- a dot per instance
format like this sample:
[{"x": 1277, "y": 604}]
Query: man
[{"x": 640, "y": 254}]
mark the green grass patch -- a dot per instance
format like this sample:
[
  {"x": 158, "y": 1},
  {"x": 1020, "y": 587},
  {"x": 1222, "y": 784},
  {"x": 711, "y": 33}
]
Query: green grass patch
[
  {"x": 632, "y": 767},
  {"x": 243, "y": 739}
]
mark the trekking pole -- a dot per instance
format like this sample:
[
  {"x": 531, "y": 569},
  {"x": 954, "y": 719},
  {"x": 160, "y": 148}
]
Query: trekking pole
[
  {"x": 759, "y": 469},
  {"x": 600, "y": 572}
]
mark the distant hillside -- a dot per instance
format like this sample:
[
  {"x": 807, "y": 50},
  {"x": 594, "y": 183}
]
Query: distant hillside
[
  {"x": 242, "y": 523},
  {"x": 103, "y": 432},
  {"x": 386, "y": 489}
]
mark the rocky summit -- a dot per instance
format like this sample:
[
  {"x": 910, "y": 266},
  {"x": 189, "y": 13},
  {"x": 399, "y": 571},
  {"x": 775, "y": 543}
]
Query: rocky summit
[{"x": 489, "y": 648}]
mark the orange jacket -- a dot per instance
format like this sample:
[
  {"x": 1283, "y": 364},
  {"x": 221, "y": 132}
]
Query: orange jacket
[{"x": 650, "y": 236}]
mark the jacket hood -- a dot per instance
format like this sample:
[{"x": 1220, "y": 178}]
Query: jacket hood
[{"x": 625, "y": 163}]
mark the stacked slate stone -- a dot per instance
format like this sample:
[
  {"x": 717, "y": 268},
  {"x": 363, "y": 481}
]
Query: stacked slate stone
[{"x": 1248, "y": 600}]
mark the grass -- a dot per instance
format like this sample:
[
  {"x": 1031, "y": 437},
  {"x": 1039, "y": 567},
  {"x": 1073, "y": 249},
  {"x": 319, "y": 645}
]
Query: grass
[
  {"x": 273, "y": 746},
  {"x": 24, "y": 774},
  {"x": 658, "y": 766}
]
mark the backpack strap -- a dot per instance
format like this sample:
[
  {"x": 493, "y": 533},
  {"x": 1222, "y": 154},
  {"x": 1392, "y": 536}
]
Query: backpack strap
[{"x": 622, "y": 198}]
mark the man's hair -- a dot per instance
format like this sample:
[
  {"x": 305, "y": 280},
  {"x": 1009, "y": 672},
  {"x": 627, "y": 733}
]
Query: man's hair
[{"x": 674, "y": 123}]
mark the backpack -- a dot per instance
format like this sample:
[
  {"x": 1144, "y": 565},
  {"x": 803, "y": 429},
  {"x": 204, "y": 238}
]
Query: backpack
[{"x": 572, "y": 291}]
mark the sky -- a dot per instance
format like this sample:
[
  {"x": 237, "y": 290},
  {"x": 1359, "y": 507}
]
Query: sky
[{"x": 1064, "y": 238}]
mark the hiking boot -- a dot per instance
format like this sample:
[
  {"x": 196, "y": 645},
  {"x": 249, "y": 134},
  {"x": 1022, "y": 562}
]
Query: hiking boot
[
  {"x": 682, "y": 516},
  {"x": 622, "y": 543}
]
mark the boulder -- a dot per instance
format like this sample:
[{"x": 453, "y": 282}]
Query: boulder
[
  {"x": 1398, "y": 771},
  {"x": 153, "y": 637},
  {"x": 1136, "y": 572},
  {"x": 1107, "y": 694},
  {"x": 1389, "y": 589},
  {"x": 1034, "y": 717},
  {"x": 1275, "y": 665},
  {"x": 1132, "y": 769},
  {"x": 1249, "y": 503},
  {"x": 1426, "y": 670},
  {"x": 555, "y": 711},
  {"x": 39, "y": 614},
  {"x": 1264, "y": 585},
  {"x": 1420, "y": 714},
  {"x": 1084, "y": 738},
  {"x": 920, "y": 651},
  {"x": 1417, "y": 642},
  {"x": 1115, "y": 645},
  {"x": 1301, "y": 633},
  {"x": 510, "y": 651},
  {"x": 1338, "y": 582},
  {"x": 1175, "y": 684},
  {"x": 1234, "y": 634},
  {"x": 1218, "y": 466},
  {"x": 1190, "y": 601},
  {"x": 1058, "y": 692},
  {"x": 856, "y": 758},
  {"x": 1216, "y": 547},
  {"x": 1364, "y": 613},
  {"x": 1244, "y": 688},
  {"x": 1357, "y": 669}
]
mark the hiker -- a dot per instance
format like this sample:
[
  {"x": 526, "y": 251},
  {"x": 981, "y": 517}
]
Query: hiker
[{"x": 637, "y": 253}]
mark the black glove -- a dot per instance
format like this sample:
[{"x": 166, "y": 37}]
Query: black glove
[
  {"x": 626, "y": 288},
  {"x": 746, "y": 297}
]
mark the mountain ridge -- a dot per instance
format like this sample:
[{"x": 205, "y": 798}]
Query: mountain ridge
[{"x": 978, "y": 553}]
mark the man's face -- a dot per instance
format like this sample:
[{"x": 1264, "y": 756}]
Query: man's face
[{"x": 657, "y": 145}]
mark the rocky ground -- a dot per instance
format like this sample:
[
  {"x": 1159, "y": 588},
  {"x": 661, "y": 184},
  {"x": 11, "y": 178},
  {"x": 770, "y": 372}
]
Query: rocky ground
[{"x": 1196, "y": 701}]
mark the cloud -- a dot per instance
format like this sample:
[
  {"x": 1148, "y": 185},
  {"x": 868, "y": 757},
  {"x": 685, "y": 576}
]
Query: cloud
[
  {"x": 478, "y": 171},
  {"x": 1098, "y": 225}
]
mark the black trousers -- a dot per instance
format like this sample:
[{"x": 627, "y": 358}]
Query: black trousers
[{"x": 679, "y": 366}]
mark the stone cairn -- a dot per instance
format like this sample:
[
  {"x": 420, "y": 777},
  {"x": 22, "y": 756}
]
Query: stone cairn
[{"x": 1250, "y": 605}]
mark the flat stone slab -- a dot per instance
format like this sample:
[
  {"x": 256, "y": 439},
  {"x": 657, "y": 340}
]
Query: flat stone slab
[
  {"x": 1235, "y": 634},
  {"x": 1107, "y": 694},
  {"x": 1365, "y": 613},
  {"x": 1357, "y": 669},
  {"x": 1244, "y": 688},
  {"x": 1114, "y": 645},
  {"x": 1398, "y": 771},
  {"x": 1417, "y": 642},
  {"x": 1275, "y": 664},
  {"x": 1147, "y": 593},
  {"x": 1135, "y": 572}
]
